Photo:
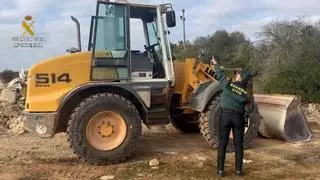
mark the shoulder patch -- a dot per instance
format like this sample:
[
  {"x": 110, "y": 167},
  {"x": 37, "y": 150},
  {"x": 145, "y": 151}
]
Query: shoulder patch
[{"x": 238, "y": 90}]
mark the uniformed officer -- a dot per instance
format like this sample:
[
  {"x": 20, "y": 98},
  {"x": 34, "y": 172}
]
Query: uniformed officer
[{"x": 234, "y": 105}]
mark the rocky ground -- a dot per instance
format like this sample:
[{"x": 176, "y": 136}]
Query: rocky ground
[
  {"x": 163, "y": 154},
  {"x": 11, "y": 119}
]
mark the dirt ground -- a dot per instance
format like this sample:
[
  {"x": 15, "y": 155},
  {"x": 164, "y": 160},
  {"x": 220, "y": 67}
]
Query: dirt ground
[{"x": 181, "y": 157}]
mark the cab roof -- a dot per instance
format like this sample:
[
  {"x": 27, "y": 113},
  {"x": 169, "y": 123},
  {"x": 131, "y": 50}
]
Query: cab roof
[{"x": 131, "y": 4}]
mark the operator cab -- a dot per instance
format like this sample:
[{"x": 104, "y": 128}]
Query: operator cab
[{"x": 114, "y": 59}]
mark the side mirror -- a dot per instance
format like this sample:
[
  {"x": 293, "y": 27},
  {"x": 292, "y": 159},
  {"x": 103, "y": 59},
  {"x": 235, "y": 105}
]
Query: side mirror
[{"x": 171, "y": 19}]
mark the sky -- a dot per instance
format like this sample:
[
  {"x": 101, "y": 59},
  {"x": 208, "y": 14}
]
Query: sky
[{"x": 203, "y": 17}]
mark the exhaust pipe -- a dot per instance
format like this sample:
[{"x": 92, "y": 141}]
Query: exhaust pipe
[
  {"x": 73, "y": 49},
  {"x": 282, "y": 118}
]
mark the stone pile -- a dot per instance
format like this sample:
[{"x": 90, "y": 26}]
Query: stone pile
[
  {"x": 312, "y": 112},
  {"x": 11, "y": 107}
]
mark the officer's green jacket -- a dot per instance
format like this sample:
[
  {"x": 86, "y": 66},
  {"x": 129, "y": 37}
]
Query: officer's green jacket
[{"x": 233, "y": 96}]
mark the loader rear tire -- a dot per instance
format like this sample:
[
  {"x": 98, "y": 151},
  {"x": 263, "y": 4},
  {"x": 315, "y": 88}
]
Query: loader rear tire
[
  {"x": 104, "y": 129},
  {"x": 209, "y": 125},
  {"x": 186, "y": 123}
]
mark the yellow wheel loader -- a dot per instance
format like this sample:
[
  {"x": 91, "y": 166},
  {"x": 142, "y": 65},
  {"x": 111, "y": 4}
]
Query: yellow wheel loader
[{"x": 102, "y": 96}]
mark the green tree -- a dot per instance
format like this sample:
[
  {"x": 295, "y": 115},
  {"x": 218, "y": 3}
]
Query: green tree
[
  {"x": 7, "y": 75},
  {"x": 291, "y": 62}
]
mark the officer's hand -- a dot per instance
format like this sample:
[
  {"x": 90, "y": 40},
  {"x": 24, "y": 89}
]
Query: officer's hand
[{"x": 213, "y": 61}]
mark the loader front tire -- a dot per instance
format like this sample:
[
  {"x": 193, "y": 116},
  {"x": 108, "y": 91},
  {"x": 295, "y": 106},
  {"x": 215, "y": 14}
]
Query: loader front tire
[
  {"x": 104, "y": 129},
  {"x": 209, "y": 125},
  {"x": 186, "y": 123}
]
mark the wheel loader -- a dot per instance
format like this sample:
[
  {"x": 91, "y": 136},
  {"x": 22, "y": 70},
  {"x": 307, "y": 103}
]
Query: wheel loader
[{"x": 101, "y": 97}]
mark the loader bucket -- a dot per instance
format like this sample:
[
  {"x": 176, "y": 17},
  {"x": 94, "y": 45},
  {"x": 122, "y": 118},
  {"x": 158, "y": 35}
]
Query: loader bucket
[{"x": 282, "y": 118}]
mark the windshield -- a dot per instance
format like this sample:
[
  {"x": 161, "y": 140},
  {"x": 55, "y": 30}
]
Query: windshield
[
  {"x": 154, "y": 38},
  {"x": 110, "y": 34}
]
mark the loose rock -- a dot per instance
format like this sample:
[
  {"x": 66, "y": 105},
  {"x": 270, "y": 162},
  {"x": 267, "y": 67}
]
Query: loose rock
[
  {"x": 247, "y": 161},
  {"x": 8, "y": 96},
  {"x": 154, "y": 162},
  {"x": 171, "y": 153},
  {"x": 14, "y": 84},
  {"x": 1, "y": 85},
  {"x": 108, "y": 177}
]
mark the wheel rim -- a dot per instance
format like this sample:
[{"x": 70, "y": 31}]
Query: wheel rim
[{"x": 106, "y": 131}]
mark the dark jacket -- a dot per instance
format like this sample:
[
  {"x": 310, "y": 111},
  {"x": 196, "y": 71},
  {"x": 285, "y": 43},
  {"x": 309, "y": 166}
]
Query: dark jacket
[{"x": 234, "y": 95}]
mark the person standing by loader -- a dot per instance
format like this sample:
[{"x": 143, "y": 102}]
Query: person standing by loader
[{"x": 235, "y": 103}]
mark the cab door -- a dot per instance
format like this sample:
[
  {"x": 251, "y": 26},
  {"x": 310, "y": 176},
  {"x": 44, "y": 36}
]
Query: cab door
[
  {"x": 149, "y": 76},
  {"x": 110, "y": 57}
]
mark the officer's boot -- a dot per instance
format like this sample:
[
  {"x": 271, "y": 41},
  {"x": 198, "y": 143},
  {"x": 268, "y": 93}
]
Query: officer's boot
[
  {"x": 220, "y": 173},
  {"x": 239, "y": 173}
]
